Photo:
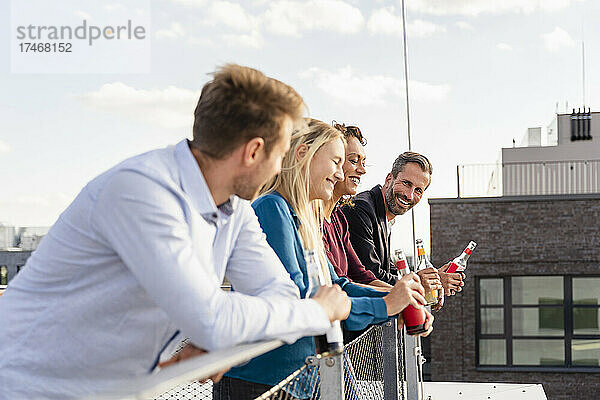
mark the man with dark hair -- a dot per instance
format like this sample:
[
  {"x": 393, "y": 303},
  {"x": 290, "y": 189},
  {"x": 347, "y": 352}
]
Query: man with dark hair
[
  {"x": 139, "y": 255},
  {"x": 370, "y": 218}
]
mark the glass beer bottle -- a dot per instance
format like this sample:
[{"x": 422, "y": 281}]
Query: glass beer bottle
[
  {"x": 459, "y": 264},
  {"x": 414, "y": 318},
  {"x": 423, "y": 262}
]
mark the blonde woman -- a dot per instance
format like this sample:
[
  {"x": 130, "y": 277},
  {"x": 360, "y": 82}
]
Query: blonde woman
[{"x": 290, "y": 213}]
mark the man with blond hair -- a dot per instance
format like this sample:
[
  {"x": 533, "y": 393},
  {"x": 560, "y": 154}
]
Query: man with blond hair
[{"x": 139, "y": 255}]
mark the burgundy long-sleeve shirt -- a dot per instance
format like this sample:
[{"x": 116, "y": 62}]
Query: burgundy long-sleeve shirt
[{"x": 340, "y": 252}]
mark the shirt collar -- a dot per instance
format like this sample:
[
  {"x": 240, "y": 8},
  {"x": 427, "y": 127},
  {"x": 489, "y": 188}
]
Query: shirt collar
[{"x": 194, "y": 185}]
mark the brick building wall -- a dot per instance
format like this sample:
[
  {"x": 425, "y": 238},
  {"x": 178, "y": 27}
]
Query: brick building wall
[{"x": 527, "y": 235}]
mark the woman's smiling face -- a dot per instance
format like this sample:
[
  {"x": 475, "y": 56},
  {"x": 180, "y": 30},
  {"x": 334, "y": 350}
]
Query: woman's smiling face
[
  {"x": 353, "y": 168},
  {"x": 326, "y": 170}
]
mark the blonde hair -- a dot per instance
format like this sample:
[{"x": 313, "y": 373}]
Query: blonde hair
[{"x": 294, "y": 179}]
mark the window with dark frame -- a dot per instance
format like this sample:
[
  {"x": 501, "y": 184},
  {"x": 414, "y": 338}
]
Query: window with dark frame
[
  {"x": 3, "y": 275},
  {"x": 540, "y": 322}
]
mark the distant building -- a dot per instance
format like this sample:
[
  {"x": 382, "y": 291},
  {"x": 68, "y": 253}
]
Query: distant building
[
  {"x": 31, "y": 236},
  {"x": 530, "y": 311},
  {"x": 11, "y": 262},
  {"x": 8, "y": 236},
  {"x": 564, "y": 160},
  {"x": 571, "y": 166},
  {"x": 16, "y": 245}
]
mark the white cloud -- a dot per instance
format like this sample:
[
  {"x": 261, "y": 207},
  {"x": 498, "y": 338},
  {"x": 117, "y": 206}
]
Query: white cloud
[
  {"x": 557, "y": 39},
  {"x": 290, "y": 18},
  {"x": 114, "y": 7},
  {"x": 476, "y": 7},
  {"x": 253, "y": 40},
  {"x": 175, "y": 31},
  {"x": 464, "y": 26},
  {"x": 4, "y": 147},
  {"x": 172, "y": 107},
  {"x": 231, "y": 15},
  {"x": 420, "y": 28},
  {"x": 33, "y": 208},
  {"x": 361, "y": 90},
  {"x": 190, "y": 3},
  {"x": 32, "y": 201},
  {"x": 504, "y": 47},
  {"x": 384, "y": 21},
  {"x": 200, "y": 41},
  {"x": 83, "y": 14}
]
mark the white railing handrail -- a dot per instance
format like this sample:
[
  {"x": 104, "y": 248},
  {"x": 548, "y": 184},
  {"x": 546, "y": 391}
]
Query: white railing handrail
[
  {"x": 196, "y": 368},
  {"x": 527, "y": 162},
  {"x": 521, "y": 178},
  {"x": 549, "y": 162}
]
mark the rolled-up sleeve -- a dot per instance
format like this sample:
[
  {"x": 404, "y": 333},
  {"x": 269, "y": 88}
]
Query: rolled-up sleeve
[{"x": 147, "y": 225}]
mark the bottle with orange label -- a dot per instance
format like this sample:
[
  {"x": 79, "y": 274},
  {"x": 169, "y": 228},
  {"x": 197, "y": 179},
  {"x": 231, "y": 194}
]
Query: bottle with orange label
[
  {"x": 414, "y": 318},
  {"x": 423, "y": 262},
  {"x": 459, "y": 264}
]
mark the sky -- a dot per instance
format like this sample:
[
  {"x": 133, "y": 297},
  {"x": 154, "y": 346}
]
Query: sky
[{"x": 480, "y": 73}]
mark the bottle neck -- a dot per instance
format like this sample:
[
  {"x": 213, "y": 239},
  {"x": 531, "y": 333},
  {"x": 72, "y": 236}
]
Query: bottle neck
[
  {"x": 462, "y": 259},
  {"x": 420, "y": 253},
  {"x": 467, "y": 253},
  {"x": 402, "y": 267}
]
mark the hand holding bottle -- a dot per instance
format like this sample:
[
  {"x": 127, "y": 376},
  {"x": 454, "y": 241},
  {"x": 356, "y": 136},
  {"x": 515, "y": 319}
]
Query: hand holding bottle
[
  {"x": 430, "y": 279},
  {"x": 429, "y": 273},
  {"x": 452, "y": 283},
  {"x": 428, "y": 323},
  {"x": 407, "y": 291},
  {"x": 457, "y": 265}
]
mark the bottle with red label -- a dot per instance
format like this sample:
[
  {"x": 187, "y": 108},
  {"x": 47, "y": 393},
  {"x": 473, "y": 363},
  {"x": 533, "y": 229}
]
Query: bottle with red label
[
  {"x": 423, "y": 262},
  {"x": 459, "y": 264},
  {"x": 414, "y": 318}
]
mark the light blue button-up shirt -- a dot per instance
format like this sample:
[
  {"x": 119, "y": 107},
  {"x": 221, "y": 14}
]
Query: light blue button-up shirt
[{"x": 139, "y": 255}]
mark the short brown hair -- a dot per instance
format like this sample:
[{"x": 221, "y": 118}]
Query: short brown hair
[
  {"x": 239, "y": 104},
  {"x": 411, "y": 157}
]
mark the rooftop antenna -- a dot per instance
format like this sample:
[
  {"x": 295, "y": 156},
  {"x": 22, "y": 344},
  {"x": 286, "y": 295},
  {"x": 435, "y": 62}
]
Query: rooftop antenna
[{"x": 582, "y": 65}]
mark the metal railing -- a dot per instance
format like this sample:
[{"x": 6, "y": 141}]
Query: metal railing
[
  {"x": 479, "y": 180},
  {"x": 551, "y": 177},
  {"x": 369, "y": 368},
  {"x": 529, "y": 178},
  {"x": 376, "y": 365}
]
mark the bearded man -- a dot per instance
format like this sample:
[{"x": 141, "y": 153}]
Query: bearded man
[{"x": 373, "y": 212}]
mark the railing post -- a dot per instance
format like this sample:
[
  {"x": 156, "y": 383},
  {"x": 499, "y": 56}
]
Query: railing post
[
  {"x": 390, "y": 360},
  {"x": 413, "y": 361},
  {"x": 458, "y": 181},
  {"x": 331, "y": 372}
]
